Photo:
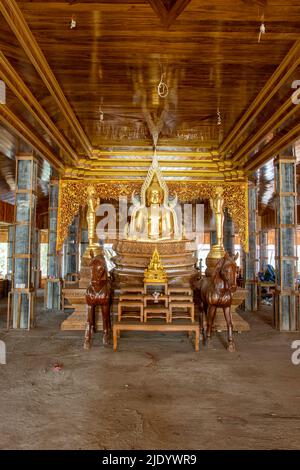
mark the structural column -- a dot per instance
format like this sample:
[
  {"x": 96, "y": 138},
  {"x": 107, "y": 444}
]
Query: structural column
[
  {"x": 251, "y": 256},
  {"x": 83, "y": 238},
  {"x": 53, "y": 285},
  {"x": 228, "y": 234},
  {"x": 22, "y": 295},
  {"x": 263, "y": 253},
  {"x": 71, "y": 248},
  {"x": 286, "y": 313}
]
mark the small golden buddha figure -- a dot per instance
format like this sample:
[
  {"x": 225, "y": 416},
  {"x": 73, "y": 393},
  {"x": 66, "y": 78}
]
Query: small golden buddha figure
[
  {"x": 154, "y": 217},
  {"x": 155, "y": 271}
]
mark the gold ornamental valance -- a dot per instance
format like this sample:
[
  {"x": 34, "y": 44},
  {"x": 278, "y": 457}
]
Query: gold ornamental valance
[{"x": 73, "y": 195}]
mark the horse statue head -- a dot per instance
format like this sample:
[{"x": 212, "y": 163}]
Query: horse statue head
[
  {"x": 225, "y": 270},
  {"x": 99, "y": 273}
]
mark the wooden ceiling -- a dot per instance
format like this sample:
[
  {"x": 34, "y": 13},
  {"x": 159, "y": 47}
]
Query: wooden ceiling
[{"x": 59, "y": 79}]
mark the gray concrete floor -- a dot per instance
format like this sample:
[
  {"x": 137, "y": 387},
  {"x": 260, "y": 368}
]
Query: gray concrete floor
[{"x": 154, "y": 393}]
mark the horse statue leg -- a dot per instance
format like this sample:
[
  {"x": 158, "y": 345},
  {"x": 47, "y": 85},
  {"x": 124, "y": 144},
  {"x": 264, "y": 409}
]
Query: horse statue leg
[
  {"x": 105, "y": 308},
  {"x": 210, "y": 320},
  {"x": 89, "y": 326},
  {"x": 228, "y": 318},
  {"x": 204, "y": 318}
]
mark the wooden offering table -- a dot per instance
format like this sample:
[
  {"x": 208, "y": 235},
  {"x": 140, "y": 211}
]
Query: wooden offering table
[{"x": 163, "y": 327}]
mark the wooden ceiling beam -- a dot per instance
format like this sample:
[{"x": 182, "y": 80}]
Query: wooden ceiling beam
[
  {"x": 279, "y": 77},
  {"x": 199, "y": 155},
  {"x": 276, "y": 121},
  {"x": 22, "y": 92},
  {"x": 18, "y": 126},
  {"x": 274, "y": 149},
  {"x": 20, "y": 28},
  {"x": 168, "y": 16}
]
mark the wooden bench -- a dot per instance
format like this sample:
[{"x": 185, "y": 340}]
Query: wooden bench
[
  {"x": 181, "y": 298},
  {"x": 132, "y": 289},
  {"x": 137, "y": 305},
  {"x": 188, "y": 306},
  {"x": 180, "y": 290},
  {"x": 161, "y": 298},
  {"x": 156, "y": 311},
  {"x": 188, "y": 327},
  {"x": 126, "y": 297}
]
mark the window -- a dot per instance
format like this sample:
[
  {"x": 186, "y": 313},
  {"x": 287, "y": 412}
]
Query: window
[
  {"x": 3, "y": 259},
  {"x": 43, "y": 258}
]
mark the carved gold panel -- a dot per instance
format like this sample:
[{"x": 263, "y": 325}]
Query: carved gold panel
[{"x": 73, "y": 195}]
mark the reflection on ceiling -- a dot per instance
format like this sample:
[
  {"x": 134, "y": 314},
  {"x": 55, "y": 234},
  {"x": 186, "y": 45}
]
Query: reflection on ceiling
[{"x": 187, "y": 76}]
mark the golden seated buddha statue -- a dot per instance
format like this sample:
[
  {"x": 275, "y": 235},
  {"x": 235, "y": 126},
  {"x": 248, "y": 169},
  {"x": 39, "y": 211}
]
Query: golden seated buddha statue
[{"x": 154, "y": 217}]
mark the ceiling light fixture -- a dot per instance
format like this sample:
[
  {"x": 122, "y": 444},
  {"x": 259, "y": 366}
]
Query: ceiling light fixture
[
  {"x": 101, "y": 113},
  {"x": 162, "y": 88},
  {"x": 262, "y": 28},
  {"x": 73, "y": 23}
]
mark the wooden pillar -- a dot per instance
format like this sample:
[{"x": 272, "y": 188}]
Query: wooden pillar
[
  {"x": 53, "y": 283},
  {"x": 251, "y": 258},
  {"x": 263, "y": 253},
  {"x": 286, "y": 313},
  {"x": 228, "y": 233},
  {"x": 22, "y": 295}
]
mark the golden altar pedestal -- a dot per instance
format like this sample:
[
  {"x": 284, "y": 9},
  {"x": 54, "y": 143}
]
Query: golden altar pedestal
[{"x": 132, "y": 258}]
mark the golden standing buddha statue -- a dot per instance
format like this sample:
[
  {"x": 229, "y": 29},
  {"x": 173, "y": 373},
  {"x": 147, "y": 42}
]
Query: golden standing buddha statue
[
  {"x": 92, "y": 204},
  {"x": 217, "y": 251},
  {"x": 217, "y": 206}
]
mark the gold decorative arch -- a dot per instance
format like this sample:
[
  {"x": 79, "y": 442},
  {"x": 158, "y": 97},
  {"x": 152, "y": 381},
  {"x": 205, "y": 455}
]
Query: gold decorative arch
[{"x": 73, "y": 195}]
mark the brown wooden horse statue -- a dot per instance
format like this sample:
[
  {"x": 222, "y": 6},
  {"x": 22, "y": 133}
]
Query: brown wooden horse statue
[
  {"x": 99, "y": 292},
  {"x": 216, "y": 292}
]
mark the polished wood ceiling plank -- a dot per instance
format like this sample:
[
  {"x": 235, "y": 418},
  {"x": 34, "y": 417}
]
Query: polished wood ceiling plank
[
  {"x": 18, "y": 126},
  {"x": 274, "y": 149},
  {"x": 17, "y": 23},
  {"x": 19, "y": 88},
  {"x": 269, "y": 126},
  {"x": 168, "y": 11},
  {"x": 210, "y": 55},
  {"x": 280, "y": 76},
  {"x": 202, "y": 38}
]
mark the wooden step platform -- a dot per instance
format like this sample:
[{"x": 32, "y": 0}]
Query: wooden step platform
[
  {"x": 187, "y": 306},
  {"x": 162, "y": 327},
  {"x": 156, "y": 311}
]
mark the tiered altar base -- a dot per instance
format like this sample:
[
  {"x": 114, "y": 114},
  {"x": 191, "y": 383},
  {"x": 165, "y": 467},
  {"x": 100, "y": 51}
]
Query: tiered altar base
[{"x": 132, "y": 258}]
